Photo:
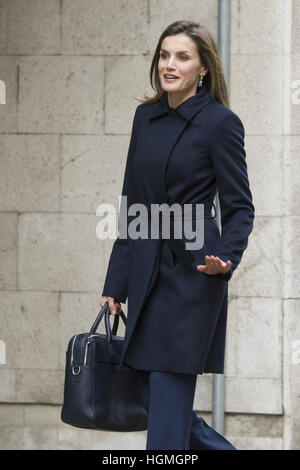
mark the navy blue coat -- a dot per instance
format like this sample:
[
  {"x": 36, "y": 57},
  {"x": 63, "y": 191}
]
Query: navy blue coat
[{"x": 177, "y": 315}]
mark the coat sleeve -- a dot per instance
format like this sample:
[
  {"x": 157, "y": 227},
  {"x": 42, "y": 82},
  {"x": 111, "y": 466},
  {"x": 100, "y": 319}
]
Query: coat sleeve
[
  {"x": 237, "y": 210},
  {"x": 116, "y": 281}
]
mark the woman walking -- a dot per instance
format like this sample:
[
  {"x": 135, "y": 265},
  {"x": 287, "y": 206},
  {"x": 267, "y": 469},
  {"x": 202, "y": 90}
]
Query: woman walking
[{"x": 185, "y": 145}]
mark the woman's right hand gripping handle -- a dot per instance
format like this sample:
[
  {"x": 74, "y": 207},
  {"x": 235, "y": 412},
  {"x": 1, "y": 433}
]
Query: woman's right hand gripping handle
[{"x": 114, "y": 304}]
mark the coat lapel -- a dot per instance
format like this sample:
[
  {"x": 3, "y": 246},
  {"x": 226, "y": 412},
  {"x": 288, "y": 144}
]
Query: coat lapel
[
  {"x": 184, "y": 113},
  {"x": 187, "y": 109}
]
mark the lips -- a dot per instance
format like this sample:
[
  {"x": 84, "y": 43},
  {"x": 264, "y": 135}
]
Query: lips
[{"x": 166, "y": 75}]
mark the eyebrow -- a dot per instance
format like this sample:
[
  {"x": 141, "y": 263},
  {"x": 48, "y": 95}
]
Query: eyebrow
[{"x": 179, "y": 52}]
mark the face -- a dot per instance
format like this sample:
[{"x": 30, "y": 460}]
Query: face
[{"x": 179, "y": 57}]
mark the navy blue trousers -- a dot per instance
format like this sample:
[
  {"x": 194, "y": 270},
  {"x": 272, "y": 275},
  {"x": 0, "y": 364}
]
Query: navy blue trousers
[{"x": 172, "y": 423}]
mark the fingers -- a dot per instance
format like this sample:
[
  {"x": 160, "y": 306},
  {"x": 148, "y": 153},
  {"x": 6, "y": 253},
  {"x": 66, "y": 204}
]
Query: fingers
[
  {"x": 202, "y": 267},
  {"x": 214, "y": 265},
  {"x": 103, "y": 301},
  {"x": 114, "y": 305},
  {"x": 207, "y": 267},
  {"x": 117, "y": 309},
  {"x": 222, "y": 264},
  {"x": 111, "y": 305}
]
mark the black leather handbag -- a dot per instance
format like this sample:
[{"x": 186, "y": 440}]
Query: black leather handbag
[{"x": 98, "y": 394}]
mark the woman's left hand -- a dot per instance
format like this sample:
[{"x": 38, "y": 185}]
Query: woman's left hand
[{"x": 214, "y": 265}]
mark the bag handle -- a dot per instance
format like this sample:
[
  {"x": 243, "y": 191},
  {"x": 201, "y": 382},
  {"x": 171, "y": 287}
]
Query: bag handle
[{"x": 106, "y": 311}]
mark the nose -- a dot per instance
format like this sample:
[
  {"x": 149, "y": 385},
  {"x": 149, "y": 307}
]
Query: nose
[{"x": 170, "y": 64}]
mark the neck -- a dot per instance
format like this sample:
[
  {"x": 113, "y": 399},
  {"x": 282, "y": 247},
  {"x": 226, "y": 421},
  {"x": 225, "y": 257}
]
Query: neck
[{"x": 176, "y": 98}]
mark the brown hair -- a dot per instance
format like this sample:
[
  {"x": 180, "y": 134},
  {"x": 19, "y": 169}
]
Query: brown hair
[{"x": 208, "y": 52}]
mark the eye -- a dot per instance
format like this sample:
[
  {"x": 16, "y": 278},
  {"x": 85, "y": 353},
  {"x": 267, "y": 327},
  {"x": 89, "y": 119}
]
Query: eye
[{"x": 163, "y": 55}]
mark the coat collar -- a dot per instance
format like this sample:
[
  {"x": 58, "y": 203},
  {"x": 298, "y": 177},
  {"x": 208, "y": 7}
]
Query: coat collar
[{"x": 187, "y": 109}]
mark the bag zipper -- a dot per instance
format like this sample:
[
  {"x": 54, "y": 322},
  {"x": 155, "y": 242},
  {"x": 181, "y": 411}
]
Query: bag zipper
[
  {"x": 72, "y": 355},
  {"x": 86, "y": 347}
]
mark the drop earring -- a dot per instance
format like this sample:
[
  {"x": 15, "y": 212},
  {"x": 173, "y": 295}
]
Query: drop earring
[{"x": 200, "y": 82}]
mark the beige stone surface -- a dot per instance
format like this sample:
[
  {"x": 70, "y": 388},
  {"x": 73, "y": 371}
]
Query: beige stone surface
[
  {"x": 40, "y": 385},
  {"x": 9, "y": 75},
  {"x": 253, "y": 346},
  {"x": 29, "y": 173},
  {"x": 291, "y": 366},
  {"x": 8, "y": 250},
  {"x": 29, "y": 325},
  {"x": 30, "y": 27},
  {"x": 101, "y": 27},
  {"x": 294, "y": 95},
  {"x": 8, "y": 384},
  {"x": 261, "y": 443},
  {"x": 291, "y": 175},
  {"x": 264, "y": 158},
  {"x": 249, "y": 426},
  {"x": 253, "y": 395},
  {"x": 260, "y": 76},
  {"x": 120, "y": 106},
  {"x": 264, "y": 254},
  {"x": 61, "y": 94},
  {"x": 257, "y": 26},
  {"x": 34, "y": 415},
  {"x": 40, "y": 427},
  {"x": 295, "y": 30},
  {"x": 59, "y": 252},
  {"x": 291, "y": 251},
  {"x": 100, "y": 440},
  {"x": 92, "y": 171}
]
